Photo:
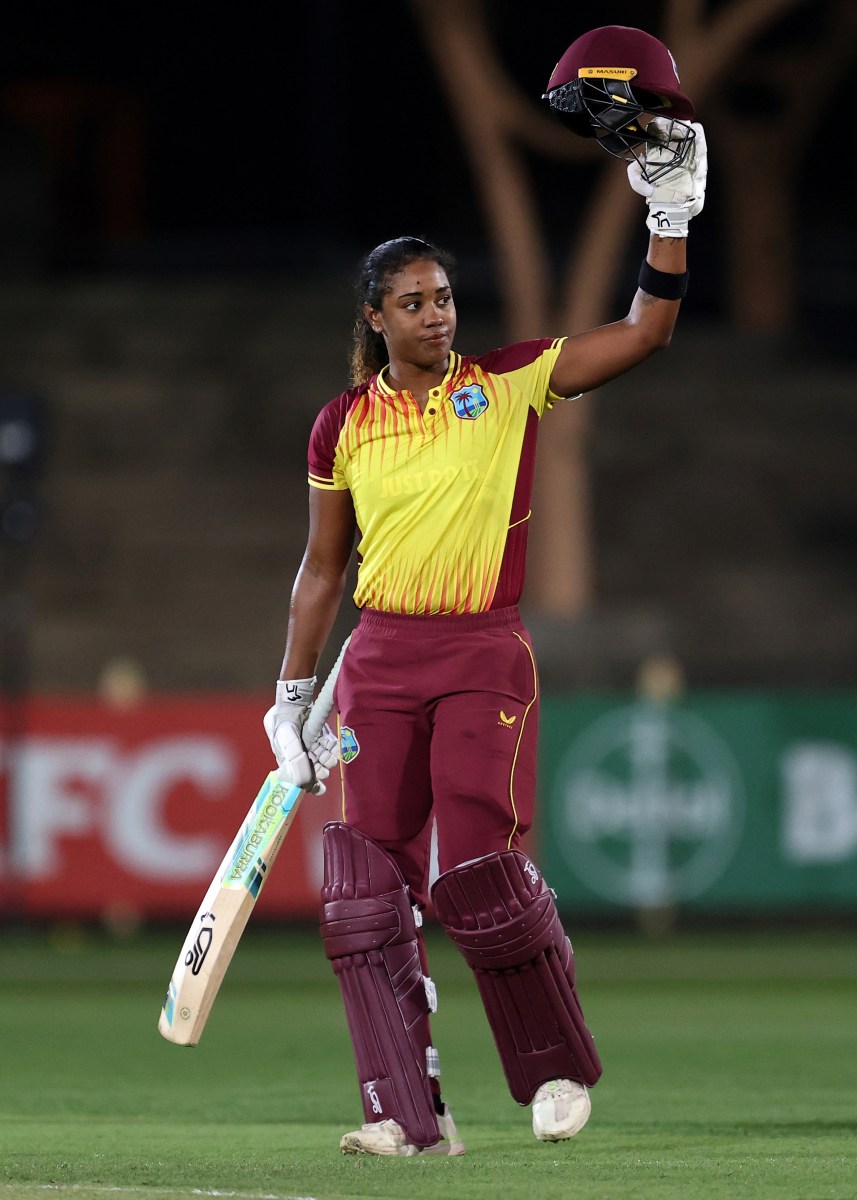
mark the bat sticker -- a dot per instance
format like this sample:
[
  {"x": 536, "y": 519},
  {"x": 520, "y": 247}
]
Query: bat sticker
[{"x": 195, "y": 957}]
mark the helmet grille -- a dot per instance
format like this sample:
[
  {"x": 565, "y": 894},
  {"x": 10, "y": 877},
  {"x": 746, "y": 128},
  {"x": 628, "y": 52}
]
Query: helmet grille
[{"x": 610, "y": 110}]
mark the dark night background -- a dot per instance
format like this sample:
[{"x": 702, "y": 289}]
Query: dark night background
[
  {"x": 300, "y": 141},
  {"x": 180, "y": 296}
]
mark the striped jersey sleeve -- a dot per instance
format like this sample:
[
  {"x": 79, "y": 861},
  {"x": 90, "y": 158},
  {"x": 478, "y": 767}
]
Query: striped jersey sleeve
[{"x": 324, "y": 470}]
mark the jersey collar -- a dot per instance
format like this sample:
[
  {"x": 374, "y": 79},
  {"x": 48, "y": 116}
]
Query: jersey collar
[{"x": 453, "y": 368}]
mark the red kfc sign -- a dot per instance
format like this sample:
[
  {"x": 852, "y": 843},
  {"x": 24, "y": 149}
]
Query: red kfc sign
[{"x": 107, "y": 810}]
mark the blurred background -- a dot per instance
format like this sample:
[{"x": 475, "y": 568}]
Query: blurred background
[{"x": 183, "y": 207}]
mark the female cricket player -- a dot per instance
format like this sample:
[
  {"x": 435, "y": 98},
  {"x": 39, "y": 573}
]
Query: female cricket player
[{"x": 428, "y": 460}]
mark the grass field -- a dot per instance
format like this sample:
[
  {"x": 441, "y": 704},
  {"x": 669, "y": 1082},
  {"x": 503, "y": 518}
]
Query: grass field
[{"x": 730, "y": 1070}]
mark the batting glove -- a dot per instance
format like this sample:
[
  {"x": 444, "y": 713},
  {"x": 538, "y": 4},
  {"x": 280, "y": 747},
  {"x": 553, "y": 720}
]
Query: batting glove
[
  {"x": 677, "y": 195},
  {"x": 304, "y": 766}
]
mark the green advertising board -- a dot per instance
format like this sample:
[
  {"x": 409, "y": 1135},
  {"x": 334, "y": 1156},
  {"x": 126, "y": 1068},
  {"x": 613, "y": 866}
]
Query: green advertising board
[{"x": 716, "y": 803}]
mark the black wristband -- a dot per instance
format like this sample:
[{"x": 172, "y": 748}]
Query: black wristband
[{"x": 661, "y": 283}]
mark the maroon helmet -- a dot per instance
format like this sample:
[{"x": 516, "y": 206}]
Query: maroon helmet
[{"x": 607, "y": 79}]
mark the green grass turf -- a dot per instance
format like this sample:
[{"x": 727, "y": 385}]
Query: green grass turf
[{"x": 730, "y": 1070}]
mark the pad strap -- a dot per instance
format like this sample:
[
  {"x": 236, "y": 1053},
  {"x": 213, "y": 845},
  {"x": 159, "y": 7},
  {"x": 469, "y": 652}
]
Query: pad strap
[
  {"x": 370, "y": 937},
  {"x": 502, "y": 917}
]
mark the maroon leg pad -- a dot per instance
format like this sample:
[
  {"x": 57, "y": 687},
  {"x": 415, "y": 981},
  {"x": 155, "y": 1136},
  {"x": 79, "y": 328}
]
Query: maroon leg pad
[
  {"x": 501, "y": 915},
  {"x": 371, "y": 939}
]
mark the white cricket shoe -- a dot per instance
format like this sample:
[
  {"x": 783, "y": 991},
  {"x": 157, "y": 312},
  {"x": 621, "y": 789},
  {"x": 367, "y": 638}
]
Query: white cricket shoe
[
  {"x": 561, "y": 1108},
  {"x": 388, "y": 1137}
]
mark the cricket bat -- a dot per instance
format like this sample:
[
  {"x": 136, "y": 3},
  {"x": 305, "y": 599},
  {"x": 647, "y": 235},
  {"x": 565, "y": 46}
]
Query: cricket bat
[{"x": 226, "y": 907}]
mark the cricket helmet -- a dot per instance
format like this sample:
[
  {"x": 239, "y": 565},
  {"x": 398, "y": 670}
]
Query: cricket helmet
[{"x": 608, "y": 79}]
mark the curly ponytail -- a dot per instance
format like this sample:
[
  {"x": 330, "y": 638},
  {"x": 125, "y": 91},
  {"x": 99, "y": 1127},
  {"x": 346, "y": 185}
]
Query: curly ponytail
[{"x": 369, "y": 350}]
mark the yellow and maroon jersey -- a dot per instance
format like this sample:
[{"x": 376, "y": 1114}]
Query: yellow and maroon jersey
[{"x": 442, "y": 498}]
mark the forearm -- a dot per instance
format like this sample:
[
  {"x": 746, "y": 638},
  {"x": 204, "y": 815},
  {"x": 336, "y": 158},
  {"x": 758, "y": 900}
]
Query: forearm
[
  {"x": 652, "y": 317},
  {"x": 304, "y": 758},
  {"x": 315, "y": 602},
  {"x": 667, "y": 254}
]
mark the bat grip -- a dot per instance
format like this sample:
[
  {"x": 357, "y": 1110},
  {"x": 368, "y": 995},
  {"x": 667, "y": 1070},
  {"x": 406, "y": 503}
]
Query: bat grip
[{"x": 323, "y": 703}]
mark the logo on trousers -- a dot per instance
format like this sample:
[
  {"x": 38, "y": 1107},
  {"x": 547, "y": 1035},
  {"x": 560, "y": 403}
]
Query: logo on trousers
[
  {"x": 373, "y": 1097},
  {"x": 349, "y": 747}
]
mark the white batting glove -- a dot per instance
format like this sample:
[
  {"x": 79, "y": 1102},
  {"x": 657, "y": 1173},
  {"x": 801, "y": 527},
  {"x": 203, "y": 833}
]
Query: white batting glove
[
  {"x": 324, "y": 753},
  {"x": 305, "y": 766},
  {"x": 679, "y": 194}
]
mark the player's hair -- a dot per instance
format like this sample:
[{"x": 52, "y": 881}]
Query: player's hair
[{"x": 369, "y": 350}]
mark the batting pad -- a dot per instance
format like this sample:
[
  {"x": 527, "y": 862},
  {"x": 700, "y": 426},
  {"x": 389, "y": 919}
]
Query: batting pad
[
  {"x": 501, "y": 915},
  {"x": 370, "y": 937}
]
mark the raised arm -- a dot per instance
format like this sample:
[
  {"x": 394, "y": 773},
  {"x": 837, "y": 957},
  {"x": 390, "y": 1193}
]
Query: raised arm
[{"x": 588, "y": 360}]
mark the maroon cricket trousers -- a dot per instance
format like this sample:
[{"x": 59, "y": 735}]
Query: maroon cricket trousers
[{"x": 438, "y": 718}]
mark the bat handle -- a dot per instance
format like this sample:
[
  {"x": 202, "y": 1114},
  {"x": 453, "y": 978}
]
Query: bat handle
[{"x": 323, "y": 703}]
